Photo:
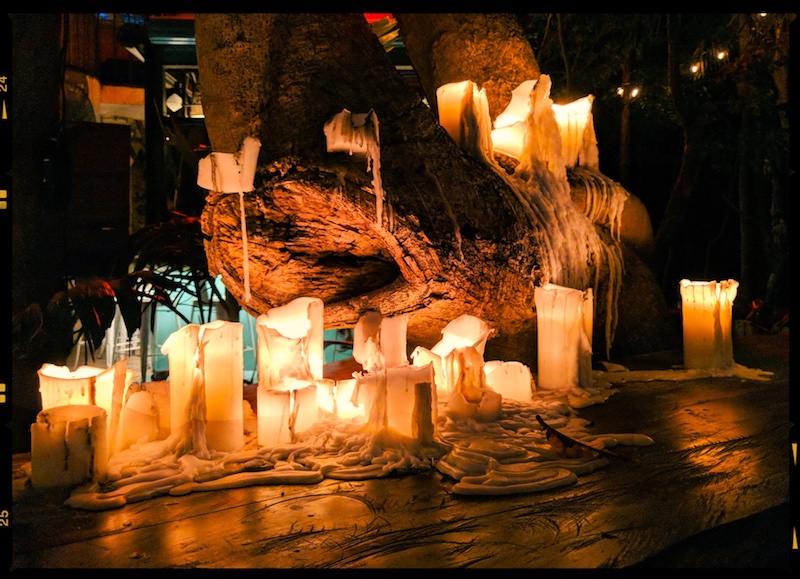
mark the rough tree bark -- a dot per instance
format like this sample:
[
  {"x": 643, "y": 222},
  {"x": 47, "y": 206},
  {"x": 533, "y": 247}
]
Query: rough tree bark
[{"x": 453, "y": 239}]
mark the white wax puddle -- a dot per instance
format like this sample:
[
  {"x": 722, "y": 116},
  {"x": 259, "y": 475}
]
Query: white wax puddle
[{"x": 509, "y": 455}]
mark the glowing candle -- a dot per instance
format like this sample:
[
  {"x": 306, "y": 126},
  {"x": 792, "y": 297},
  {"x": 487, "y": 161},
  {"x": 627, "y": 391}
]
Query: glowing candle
[
  {"x": 111, "y": 388},
  {"x": 464, "y": 114},
  {"x": 449, "y": 100},
  {"x": 392, "y": 393},
  {"x": 180, "y": 348},
  {"x": 335, "y": 397},
  {"x": 290, "y": 361},
  {"x": 69, "y": 446},
  {"x": 285, "y": 412},
  {"x": 508, "y": 135},
  {"x": 398, "y": 398},
  {"x": 471, "y": 397},
  {"x": 706, "y": 311},
  {"x": 214, "y": 354},
  {"x": 574, "y": 120},
  {"x": 464, "y": 331},
  {"x": 409, "y": 401},
  {"x": 564, "y": 319},
  {"x": 138, "y": 420},
  {"x": 59, "y": 386},
  {"x": 345, "y": 406},
  {"x": 512, "y": 379},
  {"x": 576, "y": 127},
  {"x": 159, "y": 391}
]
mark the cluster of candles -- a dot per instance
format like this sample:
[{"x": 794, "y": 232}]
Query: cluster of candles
[{"x": 90, "y": 413}]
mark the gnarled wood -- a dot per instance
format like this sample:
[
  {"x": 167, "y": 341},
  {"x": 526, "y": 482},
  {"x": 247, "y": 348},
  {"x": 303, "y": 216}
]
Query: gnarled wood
[{"x": 454, "y": 237}]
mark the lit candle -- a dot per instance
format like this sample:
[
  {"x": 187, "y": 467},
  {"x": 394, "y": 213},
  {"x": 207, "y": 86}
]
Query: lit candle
[
  {"x": 449, "y": 101},
  {"x": 290, "y": 361},
  {"x": 111, "y": 388},
  {"x": 206, "y": 375},
  {"x": 471, "y": 397},
  {"x": 464, "y": 113},
  {"x": 512, "y": 379},
  {"x": 574, "y": 120},
  {"x": 284, "y": 412},
  {"x": 464, "y": 331},
  {"x": 564, "y": 319},
  {"x": 576, "y": 127},
  {"x": 706, "y": 311},
  {"x": 59, "y": 386},
  {"x": 69, "y": 446},
  {"x": 392, "y": 393},
  {"x": 508, "y": 135},
  {"x": 335, "y": 397},
  {"x": 399, "y": 398},
  {"x": 138, "y": 420}
]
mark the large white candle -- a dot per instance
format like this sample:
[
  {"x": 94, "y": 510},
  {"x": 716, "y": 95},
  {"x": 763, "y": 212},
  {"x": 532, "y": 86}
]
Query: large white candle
[
  {"x": 60, "y": 386},
  {"x": 706, "y": 311},
  {"x": 409, "y": 401},
  {"x": 290, "y": 362},
  {"x": 576, "y": 127},
  {"x": 284, "y": 412},
  {"x": 302, "y": 320},
  {"x": 471, "y": 396},
  {"x": 180, "y": 348},
  {"x": 449, "y": 101},
  {"x": 399, "y": 398},
  {"x": 464, "y": 331},
  {"x": 564, "y": 319},
  {"x": 69, "y": 446},
  {"x": 208, "y": 364},
  {"x": 464, "y": 113},
  {"x": 508, "y": 135}
]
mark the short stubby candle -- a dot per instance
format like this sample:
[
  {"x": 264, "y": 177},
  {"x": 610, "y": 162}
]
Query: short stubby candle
[
  {"x": 69, "y": 446},
  {"x": 59, "y": 386},
  {"x": 707, "y": 312}
]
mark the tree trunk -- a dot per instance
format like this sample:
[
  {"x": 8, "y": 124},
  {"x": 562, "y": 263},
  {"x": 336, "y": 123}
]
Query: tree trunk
[
  {"x": 489, "y": 49},
  {"x": 683, "y": 189},
  {"x": 453, "y": 238}
]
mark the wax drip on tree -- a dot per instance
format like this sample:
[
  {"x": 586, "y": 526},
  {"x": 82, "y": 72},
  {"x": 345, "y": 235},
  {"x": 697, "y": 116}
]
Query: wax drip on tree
[
  {"x": 540, "y": 180},
  {"x": 358, "y": 134},
  {"x": 233, "y": 173}
]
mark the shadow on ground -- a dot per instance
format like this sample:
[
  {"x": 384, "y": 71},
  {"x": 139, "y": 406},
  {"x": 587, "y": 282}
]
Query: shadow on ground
[{"x": 763, "y": 541}]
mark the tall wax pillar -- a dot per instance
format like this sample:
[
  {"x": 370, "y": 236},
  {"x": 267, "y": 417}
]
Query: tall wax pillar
[
  {"x": 110, "y": 388},
  {"x": 180, "y": 348},
  {"x": 223, "y": 372},
  {"x": 564, "y": 336},
  {"x": 707, "y": 311},
  {"x": 287, "y": 390},
  {"x": 290, "y": 362},
  {"x": 221, "y": 369}
]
